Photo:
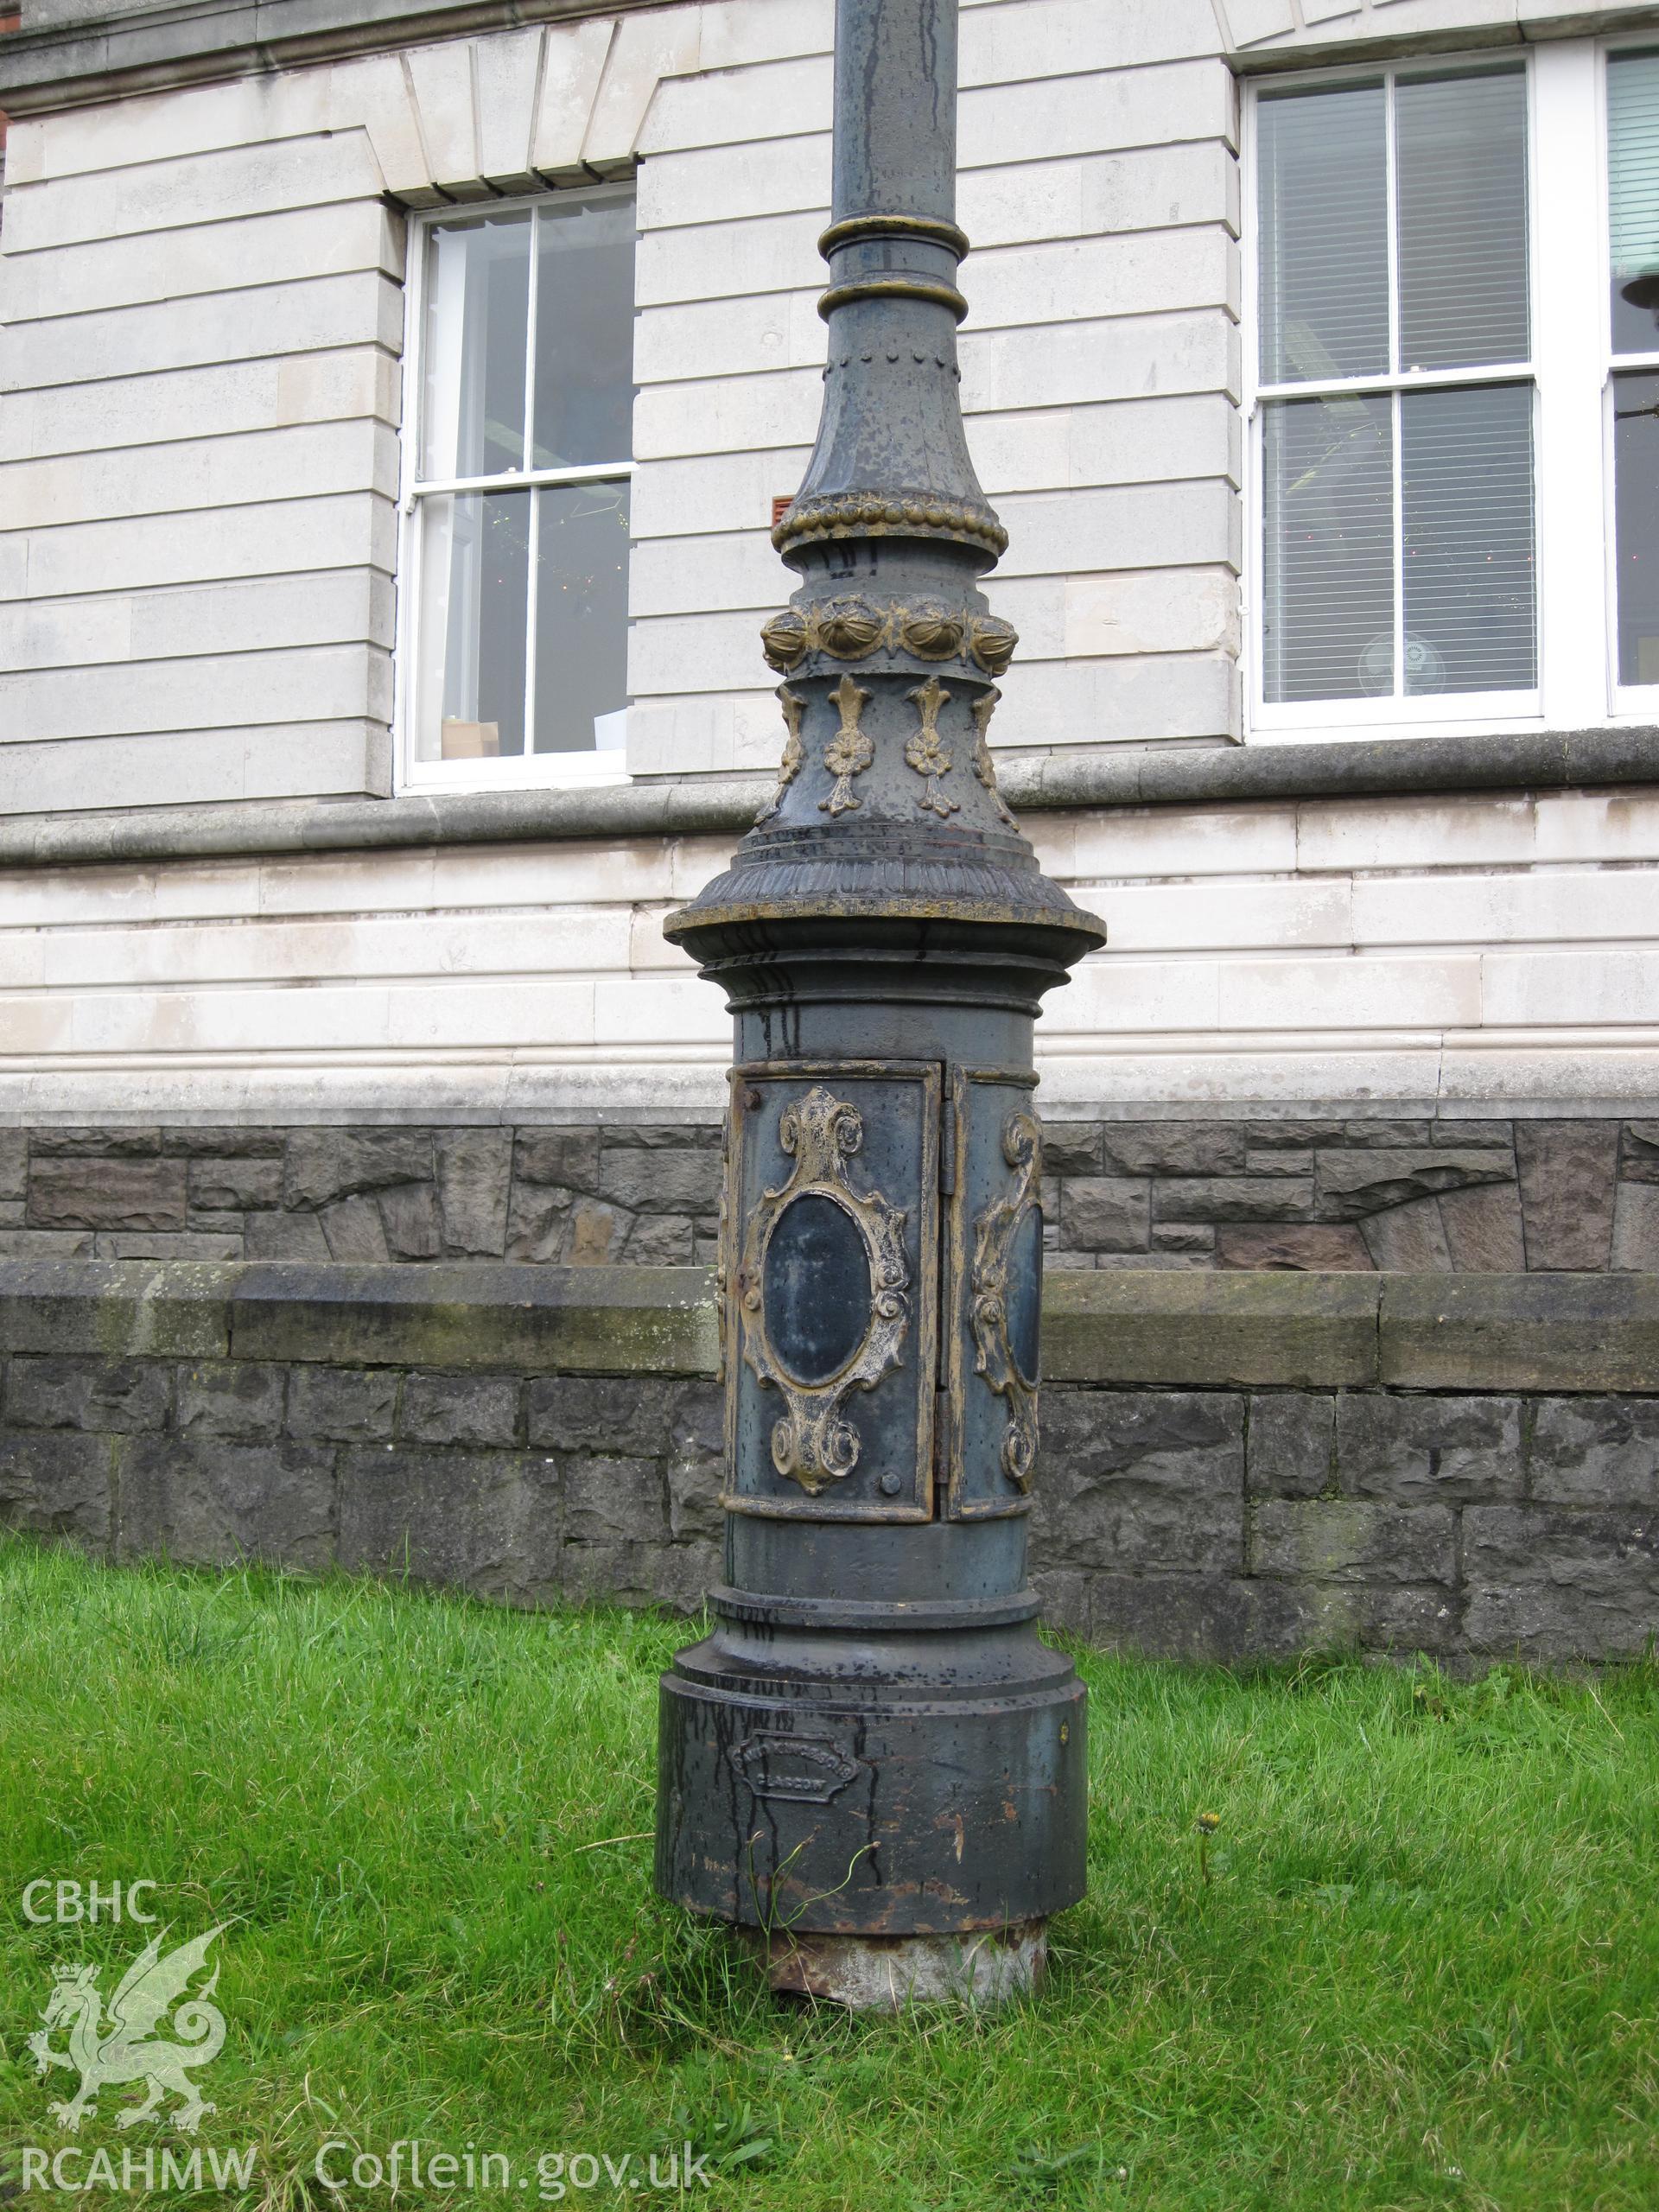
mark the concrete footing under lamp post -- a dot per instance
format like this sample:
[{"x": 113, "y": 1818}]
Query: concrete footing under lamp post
[
  {"x": 874, "y": 1765},
  {"x": 884, "y": 1973}
]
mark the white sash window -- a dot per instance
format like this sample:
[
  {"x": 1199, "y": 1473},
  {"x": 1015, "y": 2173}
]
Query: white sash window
[
  {"x": 515, "y": 571},
  {"x": 1453, "y": 372}
]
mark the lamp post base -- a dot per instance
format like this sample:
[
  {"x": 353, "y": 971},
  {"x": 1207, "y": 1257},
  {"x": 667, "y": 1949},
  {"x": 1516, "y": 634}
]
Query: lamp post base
[
  {"x": 867, "y": 1772},
  {"x": 872, "y": 1760},
  {"x": 886, "y": 1973}
]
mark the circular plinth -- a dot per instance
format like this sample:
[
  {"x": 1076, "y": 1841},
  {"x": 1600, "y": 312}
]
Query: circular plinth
[{"x": 839, "y": 1782}]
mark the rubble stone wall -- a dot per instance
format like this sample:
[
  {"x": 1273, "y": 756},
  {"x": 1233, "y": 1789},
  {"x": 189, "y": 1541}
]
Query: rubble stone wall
[
  {"x": 1319, "y": 1192},
  {"x": 1234, "y": 1468}
]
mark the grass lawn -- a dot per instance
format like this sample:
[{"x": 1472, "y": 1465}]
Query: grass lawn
[{"x": 1423, "y": 1969}]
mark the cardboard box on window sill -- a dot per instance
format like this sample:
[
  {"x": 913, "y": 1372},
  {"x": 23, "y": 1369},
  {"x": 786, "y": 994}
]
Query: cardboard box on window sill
[{"x": 471, "y": 740}]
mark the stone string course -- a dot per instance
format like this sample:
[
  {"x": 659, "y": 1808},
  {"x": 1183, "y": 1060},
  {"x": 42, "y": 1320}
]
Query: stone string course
[
  {"x": 326, "y": 1418},
  {"x": 1330, "y": 1192}
]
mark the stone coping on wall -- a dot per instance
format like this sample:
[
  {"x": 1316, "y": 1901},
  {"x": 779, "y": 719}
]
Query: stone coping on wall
[
  {"x": 470, "y": 1318},
  {"x": 1115, "y": 776},
  {"x": 1562, "y": 1333}
]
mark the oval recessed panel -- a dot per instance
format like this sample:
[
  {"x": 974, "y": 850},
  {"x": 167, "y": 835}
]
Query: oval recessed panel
[
  {"x": 817, "y": 1288},
  {"x": 1025, "y": 1294}
]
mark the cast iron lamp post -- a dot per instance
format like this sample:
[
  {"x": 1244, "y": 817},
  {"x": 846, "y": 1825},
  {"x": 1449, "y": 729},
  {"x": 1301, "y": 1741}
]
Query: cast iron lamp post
[{"x": 873, "y": 1762}]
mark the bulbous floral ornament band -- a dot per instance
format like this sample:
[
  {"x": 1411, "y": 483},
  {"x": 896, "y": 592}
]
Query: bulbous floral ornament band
[{"x": 854, "y": 628}]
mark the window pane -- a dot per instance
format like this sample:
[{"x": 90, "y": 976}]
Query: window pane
[
  {"x": 584, "y": 333},
  {"x": 475, "y": 596},
  {"x": 581, "y": 615},
  {"x": 1633, "y": 199},
  {"x": 477, "y": 332},
  {"x": 1461, "y": 151},
  {"x": 1325, "y": 236},
  {"x": 1328, "y": 616},
  {"x": 1635, "y": 500},
  {"x": 1465, "y": 465}
]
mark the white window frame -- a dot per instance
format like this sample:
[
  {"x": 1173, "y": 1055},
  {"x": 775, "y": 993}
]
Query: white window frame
[
  {"x": 1571, "y": 372},
  {"x": 527, "y": 771}
]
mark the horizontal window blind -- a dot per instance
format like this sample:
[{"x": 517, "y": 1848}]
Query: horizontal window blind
[
  {"x": 1398, "y": 530},
  {"x": 1324, "y": 235},
  {"x": 1465, "y": 469},
  {"x": 1461, "y": 158},
  {"x": 1633, "y": 199},
  {"x": 1635, "y": 500},
  {"x": 1328, "y": 614}
]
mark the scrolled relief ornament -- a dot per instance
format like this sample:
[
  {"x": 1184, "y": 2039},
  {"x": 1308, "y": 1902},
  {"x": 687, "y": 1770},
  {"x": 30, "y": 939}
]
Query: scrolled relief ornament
[
  {"x": 813, "y": 1443},
  {"x": 926, "y": 755},
  {"x": 794, "y": 751},
  {"x": 984, "y": 766},
  {"x": 723, "y": 1261},
  {"x": 995, "y": 1235},
  {"x": 849, "y": 752}
]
